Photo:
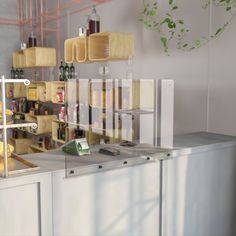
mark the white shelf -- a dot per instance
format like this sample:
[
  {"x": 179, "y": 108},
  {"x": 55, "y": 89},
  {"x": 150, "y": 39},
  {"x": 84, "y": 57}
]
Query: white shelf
[
  {"x": 12, "y": 126},
  {"x": 25, "y": 81}
]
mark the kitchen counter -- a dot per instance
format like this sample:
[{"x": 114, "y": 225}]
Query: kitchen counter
[
  {"x": 162, "y": 184},
  {"x": 184, "y": 144}
]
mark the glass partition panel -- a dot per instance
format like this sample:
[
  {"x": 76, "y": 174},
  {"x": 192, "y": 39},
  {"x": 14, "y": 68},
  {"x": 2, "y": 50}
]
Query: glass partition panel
[{"x": 112, "y": 123}]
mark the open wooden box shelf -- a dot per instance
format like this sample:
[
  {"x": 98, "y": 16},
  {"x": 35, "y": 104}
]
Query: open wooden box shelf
[
  {"x": 34, "y": 57},
  {"x": 15, "y": 90},
  {"x": 39, "y": 91},
  {"x": 44, "y": 123},
  {"x": 99, "y": 47},
  {"x": 76, "y": 50}
]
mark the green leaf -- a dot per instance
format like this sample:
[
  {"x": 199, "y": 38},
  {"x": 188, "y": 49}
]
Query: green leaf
[
  {"x": 228, "y": 8},
  {"x": 153, "y": 13},
  {"x": 181, "y": 22},
  {"x": 174, "y": 8},
  {"x": 218, "y": 31},
  {"x": 170, "y": 2},
  {"x": 185, "y": 45}
]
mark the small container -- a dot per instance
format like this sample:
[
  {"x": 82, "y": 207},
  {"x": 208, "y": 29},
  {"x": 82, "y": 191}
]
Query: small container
[{"x": 82, "y": 32}]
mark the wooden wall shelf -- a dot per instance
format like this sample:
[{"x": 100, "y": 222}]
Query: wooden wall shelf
[
  {"x": 76, "y": 50},
  {"x": 34, "y": 57},
  {"x": 99, "y": 47}
]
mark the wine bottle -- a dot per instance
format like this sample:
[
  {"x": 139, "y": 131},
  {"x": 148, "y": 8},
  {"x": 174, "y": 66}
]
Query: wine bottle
[
  {"x": 67, "y": 71},
  {"x": 12, "y": 73},
  {"x": 61, "y": 72},
  {"x": 94, "y": 22},
  {"x": 72, "y": 71},
  {"x": 17, "y": 74},
  {"x": 59, "y": 132},
  {"x": 21, "y": 74}
]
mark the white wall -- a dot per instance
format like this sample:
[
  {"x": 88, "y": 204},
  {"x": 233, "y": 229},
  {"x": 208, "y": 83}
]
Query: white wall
[
  {"x": 189, "y": 70},
  {"x": 9, "y": 36}
]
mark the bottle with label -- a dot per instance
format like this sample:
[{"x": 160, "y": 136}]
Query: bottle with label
[
  {"x": 59, "y": 132},
  {"x": 67, "y": 71},
  {"x": 32, "y": 40},
  {"x": 12, "y": 73},
  {"x": 94, "y": 22},
  {"x": 63, "y": 132},
  {"x": 17, "y": 74},
  {"x": 61, "y": 72},
  {"x": 72, "y": 71},
  {"x": 21, "y": 74}
]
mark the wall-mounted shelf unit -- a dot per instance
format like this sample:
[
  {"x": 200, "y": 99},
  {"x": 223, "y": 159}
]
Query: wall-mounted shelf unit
[
  {"x": 39, "y": 91},
  {"x": 35, "y": 57},
  {"x": 44, "y": 123},
  {"x": 99, "y": 47}
]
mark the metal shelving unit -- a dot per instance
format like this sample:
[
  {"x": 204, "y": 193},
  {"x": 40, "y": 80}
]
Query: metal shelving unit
[{"x": 4, "y": 125}]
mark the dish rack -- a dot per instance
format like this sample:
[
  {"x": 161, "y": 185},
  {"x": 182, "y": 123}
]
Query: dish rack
[{"x": 6, "y": 126}]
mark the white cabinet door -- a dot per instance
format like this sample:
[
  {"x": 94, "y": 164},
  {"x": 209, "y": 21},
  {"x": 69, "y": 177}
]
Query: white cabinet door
[
  {"x": 117, "y": 202},
  {"x": 26, "y": 206}
]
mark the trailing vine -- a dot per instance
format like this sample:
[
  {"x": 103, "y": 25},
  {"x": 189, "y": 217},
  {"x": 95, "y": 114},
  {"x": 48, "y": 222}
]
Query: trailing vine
[{"x": 170, "y": 26}]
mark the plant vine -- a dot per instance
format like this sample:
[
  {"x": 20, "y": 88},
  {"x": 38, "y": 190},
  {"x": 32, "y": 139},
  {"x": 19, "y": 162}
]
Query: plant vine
[{"x": 170, "y": 26}]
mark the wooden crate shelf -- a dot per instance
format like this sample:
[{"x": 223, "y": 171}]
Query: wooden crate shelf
[
  {"x": 110, "y": 46},
  {"x": 21, "y": 145},
  {"x": 99, "y": 47},
  {"x": 34, "y": 57},
  {"x": 39, "y": 91},
  {"x": 15, "y": 90},
  {"x": 76, "y": 50},
  {"x": 44, "y": 123}
]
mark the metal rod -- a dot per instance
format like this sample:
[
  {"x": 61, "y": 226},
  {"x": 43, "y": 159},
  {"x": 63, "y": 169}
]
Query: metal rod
[
  {"x": 23, "y": 125},
  {"x": 4, "y": 124}
]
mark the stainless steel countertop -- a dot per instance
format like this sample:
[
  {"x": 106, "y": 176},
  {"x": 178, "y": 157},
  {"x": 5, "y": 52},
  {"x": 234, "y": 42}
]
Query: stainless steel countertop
[{"x": 183, "y": 145}]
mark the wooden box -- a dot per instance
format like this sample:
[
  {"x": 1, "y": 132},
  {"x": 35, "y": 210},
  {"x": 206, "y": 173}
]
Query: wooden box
[
  {"x": 55, "y": 125},
  {"x": 75, "y": 50},
  {"x": 35, "y": 57},
  {"x": 15, "y": 90},
  {"x": 39, "y": 91},
  {"x": 110, "y": 46},
  {"x": 44, "y": 123},
  {"x": 19, "y": 59},
  {"x": 21, "y": 145}
]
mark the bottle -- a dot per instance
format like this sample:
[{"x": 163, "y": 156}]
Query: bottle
[
  {"x": 12, "y": 73},
  {"x": 61, "y": 72},
  {"x": 63, "y": 132},
  {"x": 94, "y": 22},
  {"x": 17, "y": 74},
  {"x": 21, "y": 74},
  {"x": 32, "y": 40},
  {"x": 67, "y": 71},
  {"x": 72, "y": 71},
  {"x": 59, "y": 132}
]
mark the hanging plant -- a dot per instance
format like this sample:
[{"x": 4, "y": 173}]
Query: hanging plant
[{"x": 170, "y": 26}]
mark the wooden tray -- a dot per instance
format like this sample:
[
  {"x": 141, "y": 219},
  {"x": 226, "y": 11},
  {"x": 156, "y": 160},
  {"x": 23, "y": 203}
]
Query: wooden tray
[{"x": 17, "y": 165}]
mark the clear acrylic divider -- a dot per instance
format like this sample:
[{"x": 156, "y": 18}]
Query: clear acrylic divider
[{"x": 125, "y": 122}]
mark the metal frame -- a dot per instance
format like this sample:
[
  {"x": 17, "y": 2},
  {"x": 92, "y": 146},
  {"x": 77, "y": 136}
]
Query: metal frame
[{"x": 4, "y": 125}]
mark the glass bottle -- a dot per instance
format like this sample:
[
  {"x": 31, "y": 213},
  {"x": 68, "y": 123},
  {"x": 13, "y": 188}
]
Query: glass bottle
[
  {"x": 72, "y": 71},
  {"x": 67, "y": 71},
  {"x": 61, "y": 71},
  {"x": 17, "y": 74},
  {"x": 12, "y": 73},
  {"x": 94, "y": 22},
  {"x": 59, "y": 132},
  {"x": 32, "y": 40},
  {"x": 21, "y": 74}
]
